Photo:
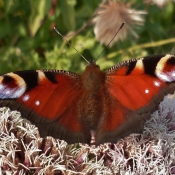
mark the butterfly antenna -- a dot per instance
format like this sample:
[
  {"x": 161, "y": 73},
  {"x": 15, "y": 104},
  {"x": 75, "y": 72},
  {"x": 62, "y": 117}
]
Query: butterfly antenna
[
  {"x": 112, "y": 38},
  {"x": 71, "y": 45}
]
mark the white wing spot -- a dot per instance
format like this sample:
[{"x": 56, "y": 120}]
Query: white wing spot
[
  {"x": 156, "y": 83},
  {"x": 146, "y": 91},
  {"x": 26, "y": 97},
  {"x": 37, "y": 103},
  {"x": 173, "y": 74}
]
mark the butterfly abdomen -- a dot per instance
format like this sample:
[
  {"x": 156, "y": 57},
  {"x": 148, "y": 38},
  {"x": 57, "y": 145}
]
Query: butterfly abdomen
[{"x": 91, "y": 103}]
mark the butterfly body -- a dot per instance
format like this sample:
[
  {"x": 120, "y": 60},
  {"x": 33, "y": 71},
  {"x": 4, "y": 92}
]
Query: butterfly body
[
  {"x": 90, "y": 105},
  {"x": 69, "y": 106}
]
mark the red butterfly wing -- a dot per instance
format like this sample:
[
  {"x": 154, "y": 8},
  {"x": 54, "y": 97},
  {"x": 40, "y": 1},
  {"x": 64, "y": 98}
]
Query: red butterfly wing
[
  {"x": 68, "y": 106},
  {"x": 134, "y": 89},
  {"x": 49, "y": 99}
]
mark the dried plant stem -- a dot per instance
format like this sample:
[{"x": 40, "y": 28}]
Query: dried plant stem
[{"x": 140, "y": 46}]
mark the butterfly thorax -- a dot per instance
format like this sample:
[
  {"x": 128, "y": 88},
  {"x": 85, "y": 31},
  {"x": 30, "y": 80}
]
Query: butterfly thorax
[
  {"x": 92, "y": 78},
  {"x": 90, "y": 108}
]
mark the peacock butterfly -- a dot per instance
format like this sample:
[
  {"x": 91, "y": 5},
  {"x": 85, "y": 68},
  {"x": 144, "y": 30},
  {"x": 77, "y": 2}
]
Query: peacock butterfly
[{"x": 69, "y": 106}]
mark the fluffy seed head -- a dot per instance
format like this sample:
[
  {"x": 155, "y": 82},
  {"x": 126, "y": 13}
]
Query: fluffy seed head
[{"x": 109, "y": 17}]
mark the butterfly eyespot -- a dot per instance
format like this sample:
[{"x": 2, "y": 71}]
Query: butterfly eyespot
[
  {"x": 164, "y": 77},
  {"x": 173, "y": 74},
  {"x": 7, "y": 92},
  {"x": 1, "y": 86}
]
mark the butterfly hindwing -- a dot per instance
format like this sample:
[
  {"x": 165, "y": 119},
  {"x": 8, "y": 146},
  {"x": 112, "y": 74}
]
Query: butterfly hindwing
[{"x": 49, "y": 99}]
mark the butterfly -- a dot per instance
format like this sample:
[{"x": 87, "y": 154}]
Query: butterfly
[{"x": 112, "y": 104}]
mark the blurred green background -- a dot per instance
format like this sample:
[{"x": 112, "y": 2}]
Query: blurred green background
[{"x": 28, "y": 41}]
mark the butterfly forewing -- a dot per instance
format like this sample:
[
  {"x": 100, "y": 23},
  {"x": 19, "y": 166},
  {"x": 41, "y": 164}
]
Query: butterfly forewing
[{"x": 49, "y": 99}]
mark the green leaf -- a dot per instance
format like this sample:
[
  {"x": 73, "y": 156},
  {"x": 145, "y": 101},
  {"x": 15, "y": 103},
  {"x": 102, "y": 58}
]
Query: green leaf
[
  {"x": 68, "y": 13},
  {"x": 7, "y": 5},
  {"x": 39, "y": 9}
]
